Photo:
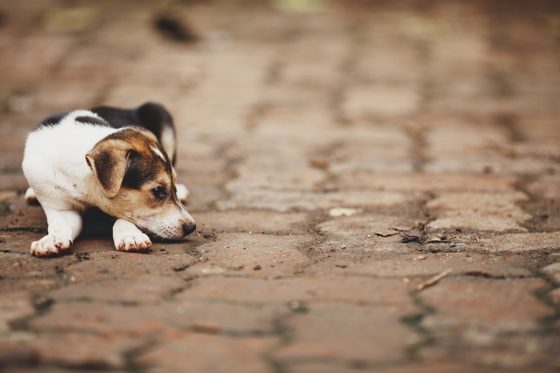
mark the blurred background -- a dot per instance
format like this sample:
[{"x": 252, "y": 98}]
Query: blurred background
[
  {"x": 223, "y": 66},
  {"x": 339, "y": 153}
]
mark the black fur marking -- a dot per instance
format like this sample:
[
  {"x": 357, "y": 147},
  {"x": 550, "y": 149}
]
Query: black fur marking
[
  {"x": 138, "y": 172},
  {"x": 151, "y": 116},
  {"x": 52, "y": 120},
  {"x": 92, "y": 120}
]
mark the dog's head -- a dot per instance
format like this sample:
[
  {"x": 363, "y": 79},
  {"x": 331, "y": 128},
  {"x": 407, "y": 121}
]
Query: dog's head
[{"x": 137, "y": 183}]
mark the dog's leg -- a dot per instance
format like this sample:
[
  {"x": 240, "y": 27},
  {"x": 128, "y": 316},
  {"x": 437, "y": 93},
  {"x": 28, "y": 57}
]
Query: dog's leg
[
  {"x": 30, "y": 196},
  {"x": 64, "y": 227},
  {"x": 182, "y": 192},
  {"x": 127, "y": 237}
]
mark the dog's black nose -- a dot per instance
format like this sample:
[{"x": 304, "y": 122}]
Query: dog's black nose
[{"x": 188, "y": 228}]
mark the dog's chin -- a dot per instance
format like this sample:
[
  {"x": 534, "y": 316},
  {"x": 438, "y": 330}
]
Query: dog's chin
[{"x": 162, "y": 237}]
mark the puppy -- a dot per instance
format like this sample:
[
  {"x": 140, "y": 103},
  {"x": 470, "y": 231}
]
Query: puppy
[{"x": 120, "y": 161}]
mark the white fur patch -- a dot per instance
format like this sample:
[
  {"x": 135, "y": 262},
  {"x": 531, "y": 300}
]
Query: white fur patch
[
  {"x": 182, "y": 192},
  {"x": 168, "y": 141},
  {"x": 158, "y": 152},
  {"x": 56, "y": 168}
]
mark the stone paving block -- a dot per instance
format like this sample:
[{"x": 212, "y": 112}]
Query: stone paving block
[
  {"x": 538, "y": 129},
  {"x": 158, "y": 321},
  {"x": 15, "y": 355},
  {"x": 381, "y": 100},
  {"x": 414, "y": 115},
  {"x": 522, "y": 242},
  {"x": 77, "y": 349},
  {"x": 555, "y": 296},
  {"x": 13, "y": 306},
  {"x": 208, "y": 171},
  {"x": 500, "y": 164},
  {"x": 552, "y": 271},
  {"x": 203, "y": 198},
  {"x": 286, "y": 176},
  {"x": 351, "y": 157},
  {"x": 18, "y": 242},
  {"x": 390, "y": 293},
  {"x": 371, "y": 147},
  {"x": 457, "y": 137},
  {"x": 546, "y": 186},
  {"x": 64, "y": 95},
  {"x": 191, "y": 353},
  {"x": 253, "y": 254},
  {"x": 27, "y": 61},
  {"x": 387, "y": 63},
  {"x": 14, "y": 182},
  {"x": 538, "y": 150},
  {"x": 347, "y": 262},
  {"x": 425, "y": 183},
  {"x": 485, "y": 350},
  {"x": 21, "y": 266},
  {"x": 299, "y": 60},
  {"x": 310, "y": 75},
  {"x": 33, "y": 285},
  {"x": 479, "y": 211},
  {"x": 20, "y": 215},
  {"x": 300, "y": 140},
  {"x": 459, "y": 51},
  {"x": 251, "y": 221},
  {"x": 313, "y": 116},
  {"x": 373, "y": 335},
  {"x": 137, "y": 289},
  {"x": 496, "y": 304},
  {"x": 430, "y": 367},
  {"x": 365, "y": 232},
  {"x": 286, "y": 200},
  {"x": 117, "y": 265},
  {"x": 132, "y": 95}
]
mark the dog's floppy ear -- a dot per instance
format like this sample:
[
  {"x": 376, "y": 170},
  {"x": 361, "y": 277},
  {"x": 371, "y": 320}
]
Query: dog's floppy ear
[{"x": 108, "y": 160}]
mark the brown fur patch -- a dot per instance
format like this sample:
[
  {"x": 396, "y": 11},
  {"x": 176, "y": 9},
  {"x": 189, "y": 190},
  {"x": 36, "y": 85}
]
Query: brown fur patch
[{"x": 126, "y": 159}]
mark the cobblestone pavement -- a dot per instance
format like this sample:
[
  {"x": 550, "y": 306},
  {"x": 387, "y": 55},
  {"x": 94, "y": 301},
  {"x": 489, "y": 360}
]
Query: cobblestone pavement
[{"x": 341, "y": 160}]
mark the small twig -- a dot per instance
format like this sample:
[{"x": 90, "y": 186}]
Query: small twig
[{"x": 433, "y": 280}]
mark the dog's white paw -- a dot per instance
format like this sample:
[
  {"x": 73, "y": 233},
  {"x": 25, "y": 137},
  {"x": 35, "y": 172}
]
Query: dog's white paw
[
  {"x": 132, "y": 241},
  {"x": 51, "y": 244},
  {"x": 30, "y": 196},
  {"x": 182, "y": 192}
]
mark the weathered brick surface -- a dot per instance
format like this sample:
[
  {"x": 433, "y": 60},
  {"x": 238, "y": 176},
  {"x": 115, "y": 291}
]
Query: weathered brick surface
[
  {"x": 255, "y": 254},
  {"x": 553, "y": 272},
  {"x": 487, "y": 303},
  {"x": 365, "y": 334},
  {"x": 421, "y": 264},
  {"x": 375, "y": 184},
  {"x": 389, "y": 292},
  {"x": 210, "y": 353},
  {"x": 479, "y": 211},
  {"x": 159, "y": 320}
]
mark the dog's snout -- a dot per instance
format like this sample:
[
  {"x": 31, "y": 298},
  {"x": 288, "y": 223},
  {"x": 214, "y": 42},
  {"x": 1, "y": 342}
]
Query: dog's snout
[{"x": 188, "y": 228}]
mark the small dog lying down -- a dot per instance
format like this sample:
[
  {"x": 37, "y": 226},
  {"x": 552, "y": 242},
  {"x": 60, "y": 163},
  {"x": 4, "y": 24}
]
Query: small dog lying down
[{"x": 120, "y": 161}]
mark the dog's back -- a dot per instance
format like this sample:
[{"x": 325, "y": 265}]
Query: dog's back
[{"x": 150, "y": 115}]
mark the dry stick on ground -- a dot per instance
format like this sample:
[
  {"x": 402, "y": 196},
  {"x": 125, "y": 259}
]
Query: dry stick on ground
[{"x": 432, "y": 280}]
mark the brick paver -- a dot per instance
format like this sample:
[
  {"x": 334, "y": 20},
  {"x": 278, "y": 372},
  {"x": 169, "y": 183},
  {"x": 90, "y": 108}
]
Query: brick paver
[{"x": 339, "y": 156}]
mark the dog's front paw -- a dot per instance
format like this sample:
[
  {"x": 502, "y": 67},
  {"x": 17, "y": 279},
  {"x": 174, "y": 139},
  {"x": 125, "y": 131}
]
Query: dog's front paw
[
  {"x": 31, "y": 197},
  {"x": 51, "y": 244},
  {"x": 132, "y": 241}
]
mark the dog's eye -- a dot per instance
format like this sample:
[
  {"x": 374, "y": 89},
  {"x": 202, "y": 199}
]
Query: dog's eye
[{"x": 159, "y": 192}]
